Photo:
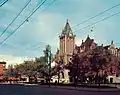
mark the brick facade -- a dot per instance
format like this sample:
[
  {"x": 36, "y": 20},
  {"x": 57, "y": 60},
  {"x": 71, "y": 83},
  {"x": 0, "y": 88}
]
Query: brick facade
[{"x": 2, "y": 68}]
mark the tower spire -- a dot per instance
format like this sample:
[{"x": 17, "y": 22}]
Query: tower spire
[
  {"x": 67, "y": 21},
  {"x": 67, "y": 29},
  {"x": 88, "y": 37}
]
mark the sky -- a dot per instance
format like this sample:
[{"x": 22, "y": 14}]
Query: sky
[{"x": 45, "y": 26}]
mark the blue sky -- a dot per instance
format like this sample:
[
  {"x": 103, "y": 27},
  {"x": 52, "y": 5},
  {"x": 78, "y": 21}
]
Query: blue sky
[{"x": 45, "y": 26}]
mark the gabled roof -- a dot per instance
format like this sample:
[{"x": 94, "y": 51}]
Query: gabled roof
[{"x": 88, "y": 41}]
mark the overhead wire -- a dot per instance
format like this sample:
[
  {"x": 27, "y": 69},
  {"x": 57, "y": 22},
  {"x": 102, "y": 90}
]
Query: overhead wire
[
  {"x": 97, "y": 15},
  {"x": 37, "y": 45},
  {"x": 44, "y": 10},
  {"x": 49, "y": 5},
  {"x": 36, "y": 6},
  {"x": 41, "y": 11},
  {"x": 15, "y": 18},
  {"x": 3, "y": 3},
  {"x": 23, "y": 22},
  {"x": 99, "y": 21}
]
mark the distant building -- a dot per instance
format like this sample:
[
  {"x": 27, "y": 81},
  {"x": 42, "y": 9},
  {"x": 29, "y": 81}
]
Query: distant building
[
  {"x": 113, "y": 49},
  {"x": 2, "y": 68}
]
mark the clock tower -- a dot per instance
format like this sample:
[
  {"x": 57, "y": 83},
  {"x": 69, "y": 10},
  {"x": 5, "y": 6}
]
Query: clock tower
[{"x": 67, "y": 43}]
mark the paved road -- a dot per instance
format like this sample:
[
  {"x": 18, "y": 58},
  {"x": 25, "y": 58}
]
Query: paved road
[{"x": 43, "y": 90}]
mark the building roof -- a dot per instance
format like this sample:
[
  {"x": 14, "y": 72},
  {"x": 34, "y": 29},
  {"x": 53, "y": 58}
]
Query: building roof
[
  {"x": 3, "y": 62},
  {"x": 87, "y": 42},
  {"x": 67, "y": 29},
  {"x": 106, "y": 47}
]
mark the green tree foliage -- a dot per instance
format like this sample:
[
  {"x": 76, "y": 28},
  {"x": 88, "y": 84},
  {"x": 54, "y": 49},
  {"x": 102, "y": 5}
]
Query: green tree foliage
[
  {"x": 9, "y": 71},
  {"x": 37, "y": 68}
]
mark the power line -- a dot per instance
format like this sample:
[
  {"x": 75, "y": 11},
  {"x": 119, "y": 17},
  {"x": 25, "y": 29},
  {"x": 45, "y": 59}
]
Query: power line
[
  {"x": 15, "y": 18},
  {"x": 44, "y": 10},
  {"x": 50, "y": 5},
  {"x": 36, "y": 9},
  {"x": 100, "y": 20},
  {"x": 3, "y": 3},
  {"x": 23, "y": 22},
  {"x": 35, "y": 6},
  {"x": 97, "y": 15}
]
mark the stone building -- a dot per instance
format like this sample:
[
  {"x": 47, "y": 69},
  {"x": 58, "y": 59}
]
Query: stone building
[
  {"x": 113, "y": 49},
  {"x": 67, "y": 43},
  {"x": 66, "y": 48},
  {"x": 87, "y": 45}
]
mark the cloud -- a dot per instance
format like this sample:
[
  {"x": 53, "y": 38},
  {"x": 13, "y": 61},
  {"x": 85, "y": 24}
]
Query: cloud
[
  {"x": 44, "y": 27},
  {"x": 12, "y": 60}
]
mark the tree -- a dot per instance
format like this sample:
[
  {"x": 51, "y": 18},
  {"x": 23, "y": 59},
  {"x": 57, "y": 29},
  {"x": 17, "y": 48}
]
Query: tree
[
  {"x": 11, "y": 71},
  {"x": 27, "y": 68},
  {"x": 42, "y": 66},
  {"x": 37, "y": 68},
  {"x": 94, "y": 65}
]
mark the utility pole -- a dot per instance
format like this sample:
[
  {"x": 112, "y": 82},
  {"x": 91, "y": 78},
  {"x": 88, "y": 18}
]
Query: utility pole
[{"x": 49, "y": 58}]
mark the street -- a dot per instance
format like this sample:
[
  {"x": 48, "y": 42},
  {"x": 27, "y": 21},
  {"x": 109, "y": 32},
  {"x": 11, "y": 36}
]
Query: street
[{"x": 16, "y": 89}]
